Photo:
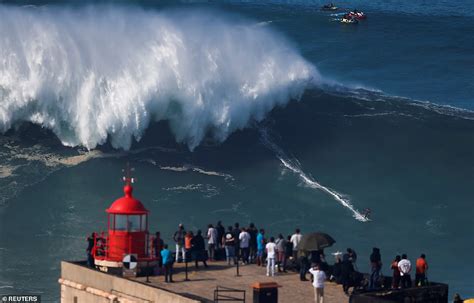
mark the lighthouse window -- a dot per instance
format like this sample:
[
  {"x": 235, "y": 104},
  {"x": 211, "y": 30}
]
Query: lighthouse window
[
  {"x": 120, "y": 222},
  {"x": 134, "y": 223}
]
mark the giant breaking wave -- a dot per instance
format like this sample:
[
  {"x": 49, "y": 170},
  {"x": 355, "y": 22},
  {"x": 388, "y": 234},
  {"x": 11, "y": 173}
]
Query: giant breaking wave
[{"x": 105, "y": 73}]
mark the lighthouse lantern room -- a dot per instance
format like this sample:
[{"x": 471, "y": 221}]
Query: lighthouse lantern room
[{"x": 127, "y": 234}]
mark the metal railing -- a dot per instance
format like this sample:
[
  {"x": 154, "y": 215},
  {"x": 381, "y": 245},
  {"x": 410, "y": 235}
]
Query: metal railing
[
  {"x": 102, "y": 249},
  {"x": 226, "y": 294}
]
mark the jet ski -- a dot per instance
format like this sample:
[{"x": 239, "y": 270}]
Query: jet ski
[
  {"x": 329, "y": 7},
  {"x": 349, "y": 20},
  {"x": 357, "y": 15}
]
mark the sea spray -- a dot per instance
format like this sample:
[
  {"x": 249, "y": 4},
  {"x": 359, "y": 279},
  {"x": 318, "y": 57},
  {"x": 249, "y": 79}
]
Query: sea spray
[
  {"x": 104, "y": 73},
  {"x": 293, "y": 165}
]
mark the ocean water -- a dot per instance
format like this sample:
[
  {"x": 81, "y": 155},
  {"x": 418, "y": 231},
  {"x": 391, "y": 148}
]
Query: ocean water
[{"x": 268, "y": 112}]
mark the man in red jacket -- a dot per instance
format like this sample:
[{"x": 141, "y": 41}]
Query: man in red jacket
[{"x": 421, "y": 268}]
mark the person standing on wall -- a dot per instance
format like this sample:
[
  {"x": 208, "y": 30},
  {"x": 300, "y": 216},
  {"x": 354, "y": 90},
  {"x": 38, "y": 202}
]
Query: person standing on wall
[
  {"x": 211, "y": 241},
  {"x": 236, "y": 233},
  {"x": 352, "y": 257},
  {"x": 347, "y": 272},
  {"x": 260, "y": 247},
  {"x": 229, "y": 245},
  {"x": 271, "y": 254},
  {"x": 405, "y": 267},
  {"x": 280, "y": 248},
  {"x": 376, "y": 266},
  {"x": 178, "y": 238},
  {"x": 199, "y": 249},
  {"x": 220, "y": 234},
  {"x": 296, "y": 239},
  {"x": 318, "y": 283},
  {"x": 244, "y": 238},
  {"x": 158, "y": 244},
  {"x": 304, "y": 265},
  {"x": 167, "y": 264},
  {"x": 289, "y": 251},
  {"x": 253, "y": 231},
  {"x": 421, "y": 268},
  {"x": 396, "y": 273},
  {"x": 188, "y": 246}
]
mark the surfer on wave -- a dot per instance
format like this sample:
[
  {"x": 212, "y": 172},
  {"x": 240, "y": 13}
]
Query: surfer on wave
[{"x": 366, "y": 213}]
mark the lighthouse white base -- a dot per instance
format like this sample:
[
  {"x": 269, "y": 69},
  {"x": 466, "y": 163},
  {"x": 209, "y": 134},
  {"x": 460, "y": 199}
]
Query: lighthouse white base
[{"x": 116, "y": 268}]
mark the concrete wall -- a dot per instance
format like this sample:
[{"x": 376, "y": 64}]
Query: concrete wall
[{"x": 81, "y": 284}]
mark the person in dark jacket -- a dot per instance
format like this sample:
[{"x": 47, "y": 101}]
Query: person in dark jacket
[
  {"x": 89, "y": 250},
  {"x": 316, "y": 257},
  {"x": 347, "y": 270},
  {"x": 457, "y": 299},
  {"x": 288, "y": 251},
  {"x": 158, "y": 245},
  {"x": 337, "y": 270},
  {"x": 199, "y": 249},
  {"x": 304, "y": 266},
  {"x": 220, "y": 234},
  {"x": 376, "y": 266},
  {"x": 253, "y": 231},
  {"x": 352, "y": 257},
  {"x": 236, "y": 233}
]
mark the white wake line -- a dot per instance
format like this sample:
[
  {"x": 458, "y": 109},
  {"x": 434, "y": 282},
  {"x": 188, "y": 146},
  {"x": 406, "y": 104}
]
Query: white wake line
[
  {"x": 307, "y": 179},
  {"x": 312, "y": 183}
]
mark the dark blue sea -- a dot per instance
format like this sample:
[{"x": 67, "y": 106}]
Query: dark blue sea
[{"x": 270, "y": 112}]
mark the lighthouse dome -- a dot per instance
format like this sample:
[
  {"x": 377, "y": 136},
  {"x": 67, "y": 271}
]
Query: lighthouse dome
[{"x": 127, "y": 204}]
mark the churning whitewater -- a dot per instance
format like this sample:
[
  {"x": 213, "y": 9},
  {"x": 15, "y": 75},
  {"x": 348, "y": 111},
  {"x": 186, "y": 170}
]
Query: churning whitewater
[{"x": 104, "y": 73}]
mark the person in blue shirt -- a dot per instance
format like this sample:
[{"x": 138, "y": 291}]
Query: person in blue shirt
[
  {"x": 260, "y": 247},
  {"x": 167, "y": 260}
]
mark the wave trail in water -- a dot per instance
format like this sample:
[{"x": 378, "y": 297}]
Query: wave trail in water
[
  {"x": 186, "y": 168},
  {"x": 294, "y": 166},
  {"x": 104, "y": 73}
]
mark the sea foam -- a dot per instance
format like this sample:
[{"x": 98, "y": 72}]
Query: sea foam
[{"x": 102, "y": 73}]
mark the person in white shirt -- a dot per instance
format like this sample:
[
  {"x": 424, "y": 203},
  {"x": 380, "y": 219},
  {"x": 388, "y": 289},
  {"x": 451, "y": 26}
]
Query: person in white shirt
[
  {"x": 244, "y": 238},
  {"x": 404, "y": 266},
  {"x": 271, "y": 255},
  {"x": 318, "y": 283},
  {"x": 296, "y": 239},
  {"x": 211, "y": 241}
]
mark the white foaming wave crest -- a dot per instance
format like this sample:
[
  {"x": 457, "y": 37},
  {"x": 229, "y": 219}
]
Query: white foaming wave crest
[
  {"x": 294, "y": 166},
  {"x": 105, "y": 73}
]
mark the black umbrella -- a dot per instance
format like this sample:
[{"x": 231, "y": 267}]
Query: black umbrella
[{"x": 316, "y": 241}]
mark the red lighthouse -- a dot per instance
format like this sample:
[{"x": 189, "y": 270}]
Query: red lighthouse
[{"x": 127, "y": 237}]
